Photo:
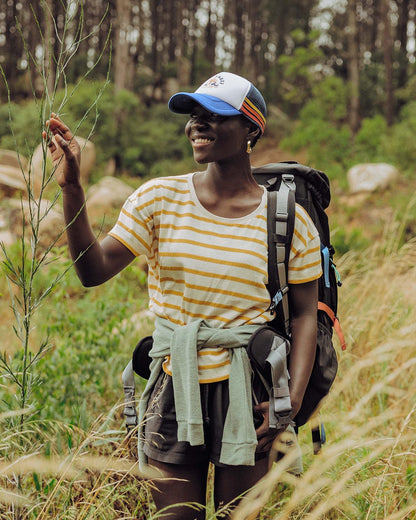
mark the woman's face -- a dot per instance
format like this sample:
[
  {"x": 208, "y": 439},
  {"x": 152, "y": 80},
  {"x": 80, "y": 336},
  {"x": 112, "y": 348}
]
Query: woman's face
[{"x": 216, "y": 138}]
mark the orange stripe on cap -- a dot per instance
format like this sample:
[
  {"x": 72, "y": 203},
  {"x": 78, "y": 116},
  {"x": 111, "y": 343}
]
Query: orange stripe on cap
[{"x": 253, "y": 113}]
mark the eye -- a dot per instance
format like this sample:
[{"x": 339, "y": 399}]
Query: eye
[
  {"x": 208, "y": 117},
  {"x": 216, "y": 118}
]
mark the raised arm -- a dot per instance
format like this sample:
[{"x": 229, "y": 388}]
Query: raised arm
[
  {"x": 95, "y": 262},
  {"x": 303, "y": 311}
]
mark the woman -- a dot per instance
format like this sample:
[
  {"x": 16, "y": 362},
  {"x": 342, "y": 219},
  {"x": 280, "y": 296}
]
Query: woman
[{"x": 205, "y": 239}]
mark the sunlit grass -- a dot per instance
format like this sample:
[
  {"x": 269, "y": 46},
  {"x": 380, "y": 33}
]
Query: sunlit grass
[{"x": 367, "y": 470}]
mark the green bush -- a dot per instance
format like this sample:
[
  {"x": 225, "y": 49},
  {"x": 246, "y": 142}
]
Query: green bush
[
  {"x": 344, "y": 241},
  {"x": 24, "y": 133},
  {"x": 120, "y": 125},
  {"x": 399, "y": 144},
  {"x": 369, "y": 141},
  {"x": 90, "y": 338},
  {"x": 322, "y": 128},
  {"x": 93, "y": 340}
]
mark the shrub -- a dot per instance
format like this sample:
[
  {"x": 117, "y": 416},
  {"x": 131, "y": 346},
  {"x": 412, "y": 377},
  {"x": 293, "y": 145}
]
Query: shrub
[
  {"x": 369, "y": 141},
  {"x": 322, "y": 129},
  {"x": 399, "y": 144},
  {"x": 120, "y": 125}
]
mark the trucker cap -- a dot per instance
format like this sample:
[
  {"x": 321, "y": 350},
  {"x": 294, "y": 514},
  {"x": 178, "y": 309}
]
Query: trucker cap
[{"x": 225, "y": 94}]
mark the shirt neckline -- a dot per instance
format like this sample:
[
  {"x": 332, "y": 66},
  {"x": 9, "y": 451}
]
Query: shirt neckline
[{"x": 249, "y": 216}]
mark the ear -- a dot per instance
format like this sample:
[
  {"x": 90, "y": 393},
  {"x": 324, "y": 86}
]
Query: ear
[{"x": 253, "y": 132}]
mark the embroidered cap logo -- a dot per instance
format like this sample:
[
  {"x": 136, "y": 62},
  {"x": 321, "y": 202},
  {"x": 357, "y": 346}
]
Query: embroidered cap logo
[{"x": 215, "y": 81}]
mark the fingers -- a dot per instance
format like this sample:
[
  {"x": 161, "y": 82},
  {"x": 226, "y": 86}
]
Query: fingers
[
  {"x": 52, "y": 141},
  {"x": 265, "y": 443},
  {"x": 58, "y": 135},
  {"x": 49, "y": 141},
  {"x": 58, "y": 127},
  {"x": 262, "y": 407}
]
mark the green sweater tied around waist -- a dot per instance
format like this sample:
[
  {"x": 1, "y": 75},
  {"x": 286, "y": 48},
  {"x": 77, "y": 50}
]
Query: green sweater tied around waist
[{"x": 239, "y": 439}]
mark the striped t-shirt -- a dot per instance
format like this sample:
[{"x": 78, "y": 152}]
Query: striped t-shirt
[{"x": 202, "y": 266}]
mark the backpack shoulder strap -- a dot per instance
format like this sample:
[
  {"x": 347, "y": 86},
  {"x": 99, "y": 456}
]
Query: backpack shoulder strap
[{"x": 280, "y": 225}]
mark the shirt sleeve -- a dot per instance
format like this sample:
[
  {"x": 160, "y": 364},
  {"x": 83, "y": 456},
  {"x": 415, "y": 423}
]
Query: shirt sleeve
[
  {"x": 305, "y": 251},
  {"x": 134, "y": 227}
]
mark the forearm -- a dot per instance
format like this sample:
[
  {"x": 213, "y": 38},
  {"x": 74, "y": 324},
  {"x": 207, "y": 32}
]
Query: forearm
[
  {"x": 302, "y": 356},
  {"x": 95, "y": 262},
  {"x": 84, "y": 248},
  {"x": 303, "y": 302}
]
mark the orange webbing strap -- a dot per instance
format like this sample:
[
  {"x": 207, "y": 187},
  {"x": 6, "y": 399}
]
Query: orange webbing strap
[{"x": 335, "y": 321}]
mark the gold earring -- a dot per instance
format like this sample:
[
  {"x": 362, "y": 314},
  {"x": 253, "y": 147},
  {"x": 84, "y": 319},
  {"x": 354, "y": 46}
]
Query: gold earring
[{"x": 249, "y": 149}]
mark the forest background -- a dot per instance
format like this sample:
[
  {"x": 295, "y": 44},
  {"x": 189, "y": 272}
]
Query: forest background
[{"x": 340, "y": 83}]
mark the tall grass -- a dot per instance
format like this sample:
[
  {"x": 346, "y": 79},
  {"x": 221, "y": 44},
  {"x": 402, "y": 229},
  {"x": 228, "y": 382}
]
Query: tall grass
[{"x": 367, "y": 469}]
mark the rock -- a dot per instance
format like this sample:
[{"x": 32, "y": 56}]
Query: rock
[
  {"x": 51, "y": 224},
  {"x": 109, "y": 192},
  {"x": 11, "y": 158},
  {"x": 11, "y": 181},
  {"x": 88, "y": 157},
  {"x": 371, "y": 177},
  {"x": 110, "y": 167},
  {"x": 7, "y": 239}
]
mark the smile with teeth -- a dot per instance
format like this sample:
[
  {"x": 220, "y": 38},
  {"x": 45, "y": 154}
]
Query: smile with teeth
[{"x": 202, "y": 140}]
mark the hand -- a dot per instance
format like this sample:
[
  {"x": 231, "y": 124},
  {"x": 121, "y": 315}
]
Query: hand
[
  {"x": 296, "y": 404},
  {"x": 265, "y": 435},
  {"x": 65, "y": 151}
]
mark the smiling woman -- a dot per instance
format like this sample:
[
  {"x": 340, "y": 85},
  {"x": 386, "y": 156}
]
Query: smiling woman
[{"x": 204, "y": 236}]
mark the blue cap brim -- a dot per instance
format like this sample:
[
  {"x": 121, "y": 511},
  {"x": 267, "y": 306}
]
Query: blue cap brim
[{"x": 184, "y": 102}]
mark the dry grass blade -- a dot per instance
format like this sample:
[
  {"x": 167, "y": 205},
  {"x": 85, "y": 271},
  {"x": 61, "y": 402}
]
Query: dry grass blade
[
  {"x": 41, "y": 465},
  {"x": 258, "y": 496},
  {"x": 10, "y": 498},
  {"x": 112, "y": 464}
]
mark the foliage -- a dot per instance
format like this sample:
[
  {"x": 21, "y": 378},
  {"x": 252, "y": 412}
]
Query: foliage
[
  {"x": 20, "y": 127},
  {"x": 370, "y": 140},
  {"x": 399, "y": 143},
  {"x": 321, "y": 128},
  {"x": 372, "y": 88},
  {"x": 345, "y": 240},
  {"x": 88, "y": 354},
  {"x": 127, "y": 130},
  {"x": 299, "y": 71}
]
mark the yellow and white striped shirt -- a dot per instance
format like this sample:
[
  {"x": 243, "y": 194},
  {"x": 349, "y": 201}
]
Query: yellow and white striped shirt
[{"x": 205, "y": 266}]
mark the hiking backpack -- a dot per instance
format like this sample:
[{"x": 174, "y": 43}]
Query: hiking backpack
[{"x": 286, "y": 183}]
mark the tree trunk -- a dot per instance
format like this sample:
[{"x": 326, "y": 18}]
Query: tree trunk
[
  {"x": 48, "y": 57},
  {"x": 239, "y": 36},
  {"x": 388, "y": 62},
  {"x": 402, "y": 23},
  {"x": 121, "y": 54},
  {"x": 353, "y": 67},
  {"x": 210, "y": 38}
]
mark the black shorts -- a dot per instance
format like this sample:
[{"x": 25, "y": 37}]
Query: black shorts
[{"x": 160, "y": 428}]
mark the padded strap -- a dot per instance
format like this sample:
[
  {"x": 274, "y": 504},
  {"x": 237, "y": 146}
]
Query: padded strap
[
  {"x": 280, "y": 407},
  {"x": 129, "y": 386},
  {"x": 335, "y": 321},
  {"x": 280, "y": 224}
]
